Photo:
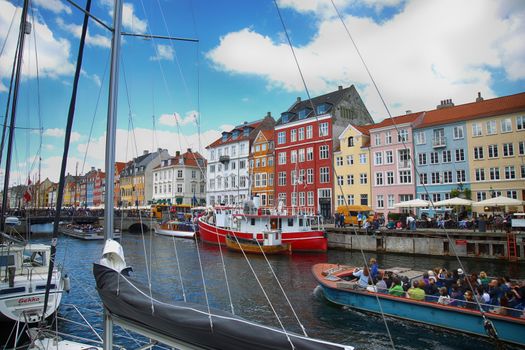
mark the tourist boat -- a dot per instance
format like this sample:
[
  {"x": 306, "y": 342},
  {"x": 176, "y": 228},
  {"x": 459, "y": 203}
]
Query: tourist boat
[
  {"x": 22, "y": 291},
  {"x": 266, "y": 242},
  {"x": 86, "y": 232},
  {"x": 174, "y": 228},
  {"x": 333, "y": 280},
  {"x": 297, "y": 228}
]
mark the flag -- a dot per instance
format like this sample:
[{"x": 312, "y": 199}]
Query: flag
[{"x": 27, "y": 195}]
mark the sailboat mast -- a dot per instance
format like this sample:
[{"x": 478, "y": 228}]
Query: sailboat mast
[
  {"x": 21, "y": 39},
  {"x": 111, "y": 135}
]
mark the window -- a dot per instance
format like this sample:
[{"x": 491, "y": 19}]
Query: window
[
  {"x": 390, "y": 201},
  {"x": 405, "y": 176},
  {"x": 242, "y": 164},
  {"x": 340, "y": 180},
  {"x": 423, "y": 178},
  {"x": 264, "y": 147},
  {"x": 294, "y": 203},
  {"x": 270, "y": 179},
  {"x": 389, "y": 157},
  {"x": 480, "y": 174},
  {"x": 270, "y": 161},
  {"x": 389, "y": 177},
  {"x": 350, "y": 179},
  {"x": 520, "y": 122},
  {"x": 491, "y": 127},
  {"x": 461, "y": 176},
  {"x": 350, "y": 160},
  {"x": 378, "y": 158},
  {"x": 510, "y": 173},
  {"x": 436, "y": 197},
  {"x": 512, "y": 194},
  {"x": 420, "y": 137},
  {"x": 257, "y": 180},
  {"x": 301, "y": 176},
  {"x": 310, "y": 176},
  {"x": 340, "y": 200},
  {"x": 379, "y": 179},
  {"x": 436, "y": 178},
  {"x": 281, "y": 197},
  {"x": 293, "y": 135},
  {"x": 508, "y": 149},
  {"x": 363, "y": 178},
  {"x": 350, "y": 199},
  {"x": 212, "y": 154},
  {"x": 293, "y": 156},
  {"x": 257, "y": 148},
  {"x": 364, "y": 199},
  {"x": 494, "y": 173},
  {"x": 388, "y": 137},
  {"x": 523, "y": 171},
  {"x": 481, "y": 196},
  {"x": 339, "y": 161},
  {"x": 506, "y": 125},
  {"x": 377, "y": 139},
  {"x": 323, "y": 129},
  {"x": 460, "y": 155},
  {"x": 301, "y": 155},
  {"x": 476, "y": 130},
  {"x": 263, "y": 163},
  {"x": 362, "y": 158},
  {"x": 310, "y": 198},
  {"x": 380, "y": 203},
  {"x": 521, "y": 148},
  {"x": 309, "y": 133},
  {"x": 281, "y": 137},
  {"x": 350, "y": 141},
  {"x": 447, "y": 156},
  {"x": 301, "y": 134},
  {"x": 282, "y": 158},
  {"x": 310, "y": 153},
  {"x": 402, "y": 136},
  {"x": 493, "y": 151},
  {"x": 447, "y": 177},
  {"x": 281, "y": 178},
  {"x": 323, "y": 152},
  {"x": 434, "y": 158},
  {"x": 242, "y": 148},
  {"x": 478, "y": 152},
  {"x": 301, "y": 199},
  {"x": 458, "y": 132},
  {"x": 179, "y": 174},
  {"x": 293, "y": 177},
  {"x": 258, "y": 162},
  {"x": 324, "y": 175},
  {"x": 179, "y": 188}
]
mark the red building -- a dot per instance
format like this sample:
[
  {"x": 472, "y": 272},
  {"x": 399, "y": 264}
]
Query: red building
[
  {"x": 99, "y": 188},
  {"x": 305, "y": 137}
]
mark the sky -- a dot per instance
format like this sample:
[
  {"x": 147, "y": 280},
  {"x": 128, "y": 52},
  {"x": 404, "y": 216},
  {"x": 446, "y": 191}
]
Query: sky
[{"x": 418, "y": 52}]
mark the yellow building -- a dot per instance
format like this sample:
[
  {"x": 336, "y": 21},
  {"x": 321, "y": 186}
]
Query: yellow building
[
  {"x": 352, "y": 184},
  {"x": 262, "y": 165},
  {"x": 496, "y": 151}
]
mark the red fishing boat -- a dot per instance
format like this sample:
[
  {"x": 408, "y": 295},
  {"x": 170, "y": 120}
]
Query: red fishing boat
[{"x": 302, "y": 231}]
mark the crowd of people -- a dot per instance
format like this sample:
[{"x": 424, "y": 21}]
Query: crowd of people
[{"x": 448, "y": 287}]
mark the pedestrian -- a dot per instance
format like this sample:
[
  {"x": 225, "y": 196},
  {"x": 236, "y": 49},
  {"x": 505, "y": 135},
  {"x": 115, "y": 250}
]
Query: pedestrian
[{"x": 336, "y": 219}]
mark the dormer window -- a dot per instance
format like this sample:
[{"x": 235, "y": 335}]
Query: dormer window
[
  {"x": 303, "y": 113},
  {"x": 225, "y": 136},
  {"x": 235, "y": 134},
  {"x": 246, "y": 131},
  {"x": 286, "y": 117},
  {"x": 322, "y": 108},
  {"x": 351, "y": 141}
]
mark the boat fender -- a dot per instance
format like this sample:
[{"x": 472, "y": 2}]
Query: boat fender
[
  {"x": 67, "y": 283},
  {"x": 489, "y": 329}
]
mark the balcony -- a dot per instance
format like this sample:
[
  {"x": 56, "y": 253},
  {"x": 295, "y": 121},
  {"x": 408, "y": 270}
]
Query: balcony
[
  {"x": 404, "y": 164},
  {"x": 439, "y": 141},
  {"x": 224, "y": 159}
]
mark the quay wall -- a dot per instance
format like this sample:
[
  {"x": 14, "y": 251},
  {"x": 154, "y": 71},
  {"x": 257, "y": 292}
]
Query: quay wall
[{"x": 485, "y": 245}]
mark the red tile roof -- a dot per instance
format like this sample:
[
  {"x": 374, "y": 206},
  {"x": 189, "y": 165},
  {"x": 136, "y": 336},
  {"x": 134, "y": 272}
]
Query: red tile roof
[
  {"x": 402, "y": 119},
  {"x": 475, "y": 110},
  {"x": 268, "y": 134},
  {"x": 241, "y": 136}
]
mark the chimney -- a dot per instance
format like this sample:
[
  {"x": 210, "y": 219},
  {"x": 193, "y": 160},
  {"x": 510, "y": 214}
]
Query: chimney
[
  {"x": 145, "y": 152},
  {"x": 92, "y": 168},
  {"x": 408, "y": 111},
  {"x": 177, "y": 153},
  {"x": 479, "y": 99},
  {"x": 298, "y": 99},
  {"x": 340, "y": 87},
  {"x": 445, "y": 103},
  {"x": 269, "y": 114}
]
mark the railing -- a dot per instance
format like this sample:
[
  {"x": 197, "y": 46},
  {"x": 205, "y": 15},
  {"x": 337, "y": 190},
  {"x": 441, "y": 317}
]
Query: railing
[
  {"x": 439, "y": 141},
  {"x": 224, "y": 159}
]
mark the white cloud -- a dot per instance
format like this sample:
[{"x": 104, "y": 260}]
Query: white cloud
[
  {"x": 130, "y": 21},
  {"x": 56, "y": 132},
  {"x": 163, "y": 52},
  {"x": 76, "y": 30},
  {"x": 93, "y": 77},
  {"x": 49, "y": 147},
  {"x": 430, "y": 51},
  {"x": 55, "y": 6},
  {"x": 53, "y": 52},
  {"x": 173, "y": 119}
]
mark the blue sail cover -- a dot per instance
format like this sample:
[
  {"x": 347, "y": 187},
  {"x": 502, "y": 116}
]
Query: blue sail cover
[{"x": 190, "y": 322}]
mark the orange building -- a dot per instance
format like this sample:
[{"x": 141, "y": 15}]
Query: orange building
[{"x": 262, "y": 167}]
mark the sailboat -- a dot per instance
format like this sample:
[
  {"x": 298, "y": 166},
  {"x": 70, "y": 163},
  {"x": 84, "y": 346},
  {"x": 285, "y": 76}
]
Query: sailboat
[
  {"x": 133, "y": 306},
  {"x": 30, "y": 288}
]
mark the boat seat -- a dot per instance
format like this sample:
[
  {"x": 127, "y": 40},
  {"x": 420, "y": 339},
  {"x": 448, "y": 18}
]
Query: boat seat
[{"x": 347, "y": 285}]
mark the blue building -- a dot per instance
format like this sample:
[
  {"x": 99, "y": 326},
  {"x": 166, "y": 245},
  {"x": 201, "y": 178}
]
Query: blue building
[{"x": 440, "y": 154}]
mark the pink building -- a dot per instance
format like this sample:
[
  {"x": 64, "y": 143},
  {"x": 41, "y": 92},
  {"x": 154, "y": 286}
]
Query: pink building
[{"x": 391, "y": 153}]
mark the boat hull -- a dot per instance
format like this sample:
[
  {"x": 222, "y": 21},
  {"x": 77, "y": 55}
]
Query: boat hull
[
  {"x": 305, "y": 241},
  {"x": 87, "y": 235},
  {"x": 174, "y": 233},
  {"x": 509, "y": 329},
  {"x": 257, "y": 249}
]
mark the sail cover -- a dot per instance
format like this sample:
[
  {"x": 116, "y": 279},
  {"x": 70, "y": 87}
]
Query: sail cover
[{"x": 190, "y": 322}]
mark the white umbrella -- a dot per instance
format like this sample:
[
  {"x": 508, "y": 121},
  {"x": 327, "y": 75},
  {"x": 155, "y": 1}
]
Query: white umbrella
[
  {"x": 453, "y": 201},
  {"x": 414, "y": 203},
  {"x": 500, "y": 201}
]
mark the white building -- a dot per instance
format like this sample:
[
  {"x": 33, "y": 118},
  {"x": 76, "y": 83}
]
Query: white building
[
  {"x": 228, "y": 167},
  {"x": 180, "y": 179}
]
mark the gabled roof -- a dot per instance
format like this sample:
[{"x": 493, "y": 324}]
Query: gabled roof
[
  {"x": 402, "y": 119},
  {"x": 268, "y": 134},
  {"x": 255, "y": 126},
  {"x": 475, "y": 110},
  {"x": 190, "y": 158}
]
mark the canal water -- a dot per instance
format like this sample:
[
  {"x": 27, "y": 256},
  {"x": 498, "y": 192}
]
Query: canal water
[{"x": 320, "y": 319}]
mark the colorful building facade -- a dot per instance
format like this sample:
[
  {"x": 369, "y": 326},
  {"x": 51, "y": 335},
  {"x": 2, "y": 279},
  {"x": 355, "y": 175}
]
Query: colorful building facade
[{"x": 262, "y": 163}]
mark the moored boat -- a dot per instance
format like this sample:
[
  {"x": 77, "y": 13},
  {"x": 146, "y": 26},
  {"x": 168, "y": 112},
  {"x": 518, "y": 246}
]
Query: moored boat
[
  {"x": 302, "y": 231},
  {"x": 174, "y": 228},
  {"x": 267, "y": 242},
  {"x": 455, "y": 316},
  {"x": 86, "y": 232}
]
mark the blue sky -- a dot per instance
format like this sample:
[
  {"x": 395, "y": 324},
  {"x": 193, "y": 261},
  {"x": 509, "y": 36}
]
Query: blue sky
[{"x": 419, "y": 53}]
